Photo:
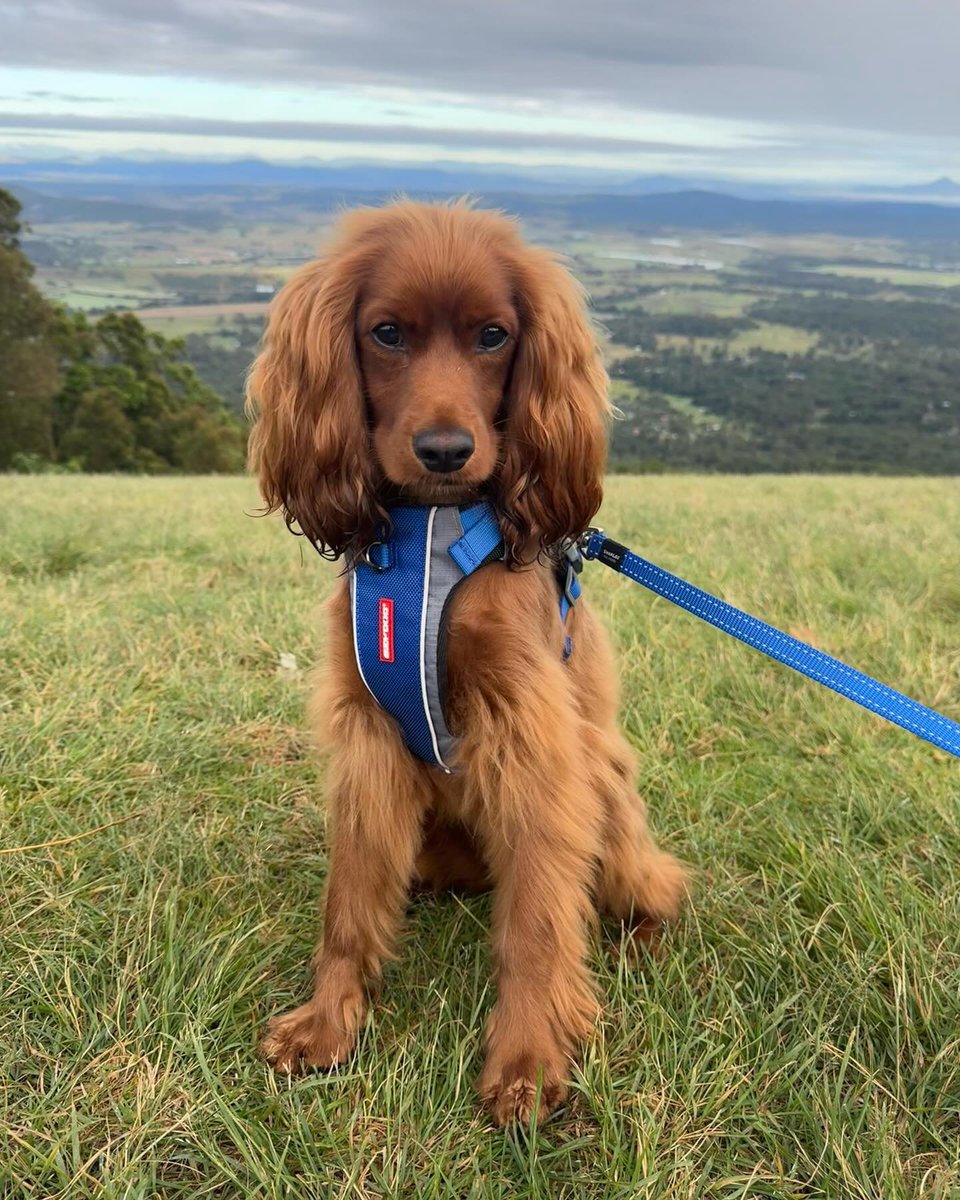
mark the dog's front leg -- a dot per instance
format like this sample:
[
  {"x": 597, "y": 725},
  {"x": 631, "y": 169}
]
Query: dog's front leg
[
  {"x": 539, "y": 824},
  {"x": 377, "y": 802}
]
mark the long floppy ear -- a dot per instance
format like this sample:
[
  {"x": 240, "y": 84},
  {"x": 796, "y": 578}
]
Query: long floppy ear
[
  {"x": 555, "y": 437},
  {"x": 310, "y": 445}
]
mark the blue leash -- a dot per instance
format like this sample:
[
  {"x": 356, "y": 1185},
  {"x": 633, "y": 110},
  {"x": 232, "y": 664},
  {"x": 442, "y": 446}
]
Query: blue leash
[{"x": 877, "y": 697}]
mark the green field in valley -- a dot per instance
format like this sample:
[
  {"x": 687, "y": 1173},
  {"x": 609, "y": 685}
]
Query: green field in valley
[{"x": 163, "y": 849}]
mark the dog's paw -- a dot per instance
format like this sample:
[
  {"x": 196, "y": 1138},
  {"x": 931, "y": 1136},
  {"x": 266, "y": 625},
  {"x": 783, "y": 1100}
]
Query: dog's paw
[
  {"x": 304, "y": 1039},
  {"x": 664, "y": 889},
  {"x": 523, "y": 1091},
  {"x": 640, "y": 940}
]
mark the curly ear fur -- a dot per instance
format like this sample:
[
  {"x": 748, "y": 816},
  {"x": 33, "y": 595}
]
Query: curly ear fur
[
  {"x": 555, "y": 439},
  {"x": 310, "y": 444}
]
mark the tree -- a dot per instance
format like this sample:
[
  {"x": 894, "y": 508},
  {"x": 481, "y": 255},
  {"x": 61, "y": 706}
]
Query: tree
[
  {"x": 105, "y": 396},
  {"x": 209, "y": 443},
  {"x": 164, "y": 418},
  {"x": 9, "y": 221},
  {"x": 28, "y": 360},
  {"x": 100, "y": 436}
]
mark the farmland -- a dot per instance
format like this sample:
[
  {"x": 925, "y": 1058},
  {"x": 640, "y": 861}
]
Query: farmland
[{"x": 859, "y": 332}]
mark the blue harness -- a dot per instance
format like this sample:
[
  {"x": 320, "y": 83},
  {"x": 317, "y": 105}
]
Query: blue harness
[{"x": 400, "y": 590}]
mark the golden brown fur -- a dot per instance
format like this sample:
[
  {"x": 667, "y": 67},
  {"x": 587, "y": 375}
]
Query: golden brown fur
[{"x": 542, "y": 806}]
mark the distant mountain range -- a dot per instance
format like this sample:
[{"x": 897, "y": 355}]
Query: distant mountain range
[
  {"x": 49, "y": 207},
  {"x": 944, "y": 186},
  {"x": 902, "y": 220},
  {"x": 184, "y": 192},
  {"x": 440, "y": 178}
]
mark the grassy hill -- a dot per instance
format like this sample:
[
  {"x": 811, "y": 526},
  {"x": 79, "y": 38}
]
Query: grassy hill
[{"x": 162, "y": 852}]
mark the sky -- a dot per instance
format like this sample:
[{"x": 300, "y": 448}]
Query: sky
[{"x": 858, "y": 91}]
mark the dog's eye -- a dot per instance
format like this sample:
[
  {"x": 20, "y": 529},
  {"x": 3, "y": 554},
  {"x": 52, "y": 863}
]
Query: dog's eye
[
  {"x": 492, "y": 337},
  {"x": 387, "y": 335}
]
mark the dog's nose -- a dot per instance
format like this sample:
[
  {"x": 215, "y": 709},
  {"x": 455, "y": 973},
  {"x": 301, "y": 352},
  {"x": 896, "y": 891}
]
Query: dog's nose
[{"x": 443, "y": 450}]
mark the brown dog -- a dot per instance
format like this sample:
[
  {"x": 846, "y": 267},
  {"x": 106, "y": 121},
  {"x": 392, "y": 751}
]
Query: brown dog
[{"x": 439, "y": 321}]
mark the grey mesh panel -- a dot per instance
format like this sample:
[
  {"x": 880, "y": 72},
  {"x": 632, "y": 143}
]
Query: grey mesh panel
[{"x": 444, "y": 576}]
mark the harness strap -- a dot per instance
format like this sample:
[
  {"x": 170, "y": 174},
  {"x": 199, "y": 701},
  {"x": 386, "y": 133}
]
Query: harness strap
[
  {"x": 481, "y": 537},
  {"x": 815, "y": 664},
  {"x": 568, "y": 576}
]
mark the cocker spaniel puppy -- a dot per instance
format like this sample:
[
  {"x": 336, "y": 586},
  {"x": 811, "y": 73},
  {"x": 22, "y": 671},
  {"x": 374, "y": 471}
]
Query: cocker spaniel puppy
[{"x": 430, "y": 403}]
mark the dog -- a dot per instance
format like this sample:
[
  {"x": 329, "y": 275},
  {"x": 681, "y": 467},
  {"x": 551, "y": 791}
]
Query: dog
[{"x": 432, "y": 359}]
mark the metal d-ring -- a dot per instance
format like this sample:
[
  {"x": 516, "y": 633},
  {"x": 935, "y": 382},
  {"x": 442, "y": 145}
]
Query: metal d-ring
[{"x": 365, "y": 558}]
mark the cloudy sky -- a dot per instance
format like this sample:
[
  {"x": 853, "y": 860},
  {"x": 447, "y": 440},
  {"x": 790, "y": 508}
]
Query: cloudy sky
[{"x": 838, "y": 90}]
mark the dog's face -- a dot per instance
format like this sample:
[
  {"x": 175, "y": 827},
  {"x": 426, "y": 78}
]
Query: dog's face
[
  {"x": 436, "y": 342},
  {"x": 432, "y": 356}
]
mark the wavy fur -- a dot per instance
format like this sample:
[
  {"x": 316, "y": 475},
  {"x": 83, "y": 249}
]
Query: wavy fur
[{"x": 542, "y": 807}]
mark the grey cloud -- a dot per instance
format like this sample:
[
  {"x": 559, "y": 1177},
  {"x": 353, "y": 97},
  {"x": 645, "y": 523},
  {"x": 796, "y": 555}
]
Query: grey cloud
[
  {"x": 331, "y": 131},
  {"x": 68, "y": 97},
  {"x": 882, "y": 65}
]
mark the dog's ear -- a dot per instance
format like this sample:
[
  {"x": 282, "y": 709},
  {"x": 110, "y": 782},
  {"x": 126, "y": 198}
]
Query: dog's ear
[
  {"x": 310, "y": 444},
  {"x": 557, "y": 411}
]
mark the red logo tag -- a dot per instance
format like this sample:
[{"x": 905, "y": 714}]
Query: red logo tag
[{"x": 386, "y": 631}]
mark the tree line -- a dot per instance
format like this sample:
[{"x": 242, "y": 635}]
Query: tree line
[{"x": 104, "y": 395}]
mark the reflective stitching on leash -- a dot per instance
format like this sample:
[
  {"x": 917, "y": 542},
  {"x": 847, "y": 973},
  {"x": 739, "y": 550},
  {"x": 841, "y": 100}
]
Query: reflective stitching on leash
[{"x": 845, "y": 680}]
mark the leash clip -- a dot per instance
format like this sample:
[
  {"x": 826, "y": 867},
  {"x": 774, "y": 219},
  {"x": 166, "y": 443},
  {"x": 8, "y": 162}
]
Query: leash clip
[{"x": 583, "y": 541}]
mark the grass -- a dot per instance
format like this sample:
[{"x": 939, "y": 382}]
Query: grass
[
  {"x": 902, "y": 276},
  {"x": 777, "y": 339},
  {"x": 717, "y": 302},
  {"x": 88, "y": 294},
  {"x": 210, "y": 319},
  {"x": 799, "y": 1037}
]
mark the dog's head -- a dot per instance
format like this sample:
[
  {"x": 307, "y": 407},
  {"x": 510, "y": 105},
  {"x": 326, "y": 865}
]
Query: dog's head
[{"x": 430, "y": 355}]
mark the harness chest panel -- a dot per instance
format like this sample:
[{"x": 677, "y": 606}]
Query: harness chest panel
[
  {"x": 399, "y": 599},
  {"x": 399, "y": 595}
]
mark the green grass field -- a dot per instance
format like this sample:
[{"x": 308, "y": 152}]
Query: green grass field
[
  {"x": 177, "y": 321},
  {"x": 162, "y": 851},
  {"x": 899, "y": 276},
  {"x": 777, "y": 339},
  {"x": 714, "y": 302}
]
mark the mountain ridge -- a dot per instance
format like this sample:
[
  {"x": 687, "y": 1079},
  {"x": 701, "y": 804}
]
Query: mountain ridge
[{"x": 441, "y": 176}]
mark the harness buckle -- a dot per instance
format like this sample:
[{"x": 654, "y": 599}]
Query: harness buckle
[{"x": 570, "y": 591}]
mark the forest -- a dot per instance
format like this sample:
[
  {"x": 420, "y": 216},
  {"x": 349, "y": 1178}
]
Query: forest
[
  {"x": 98, "y": 395},
  {"x": 895, "y": 412},
  {"x": 876, "y": 390}
]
